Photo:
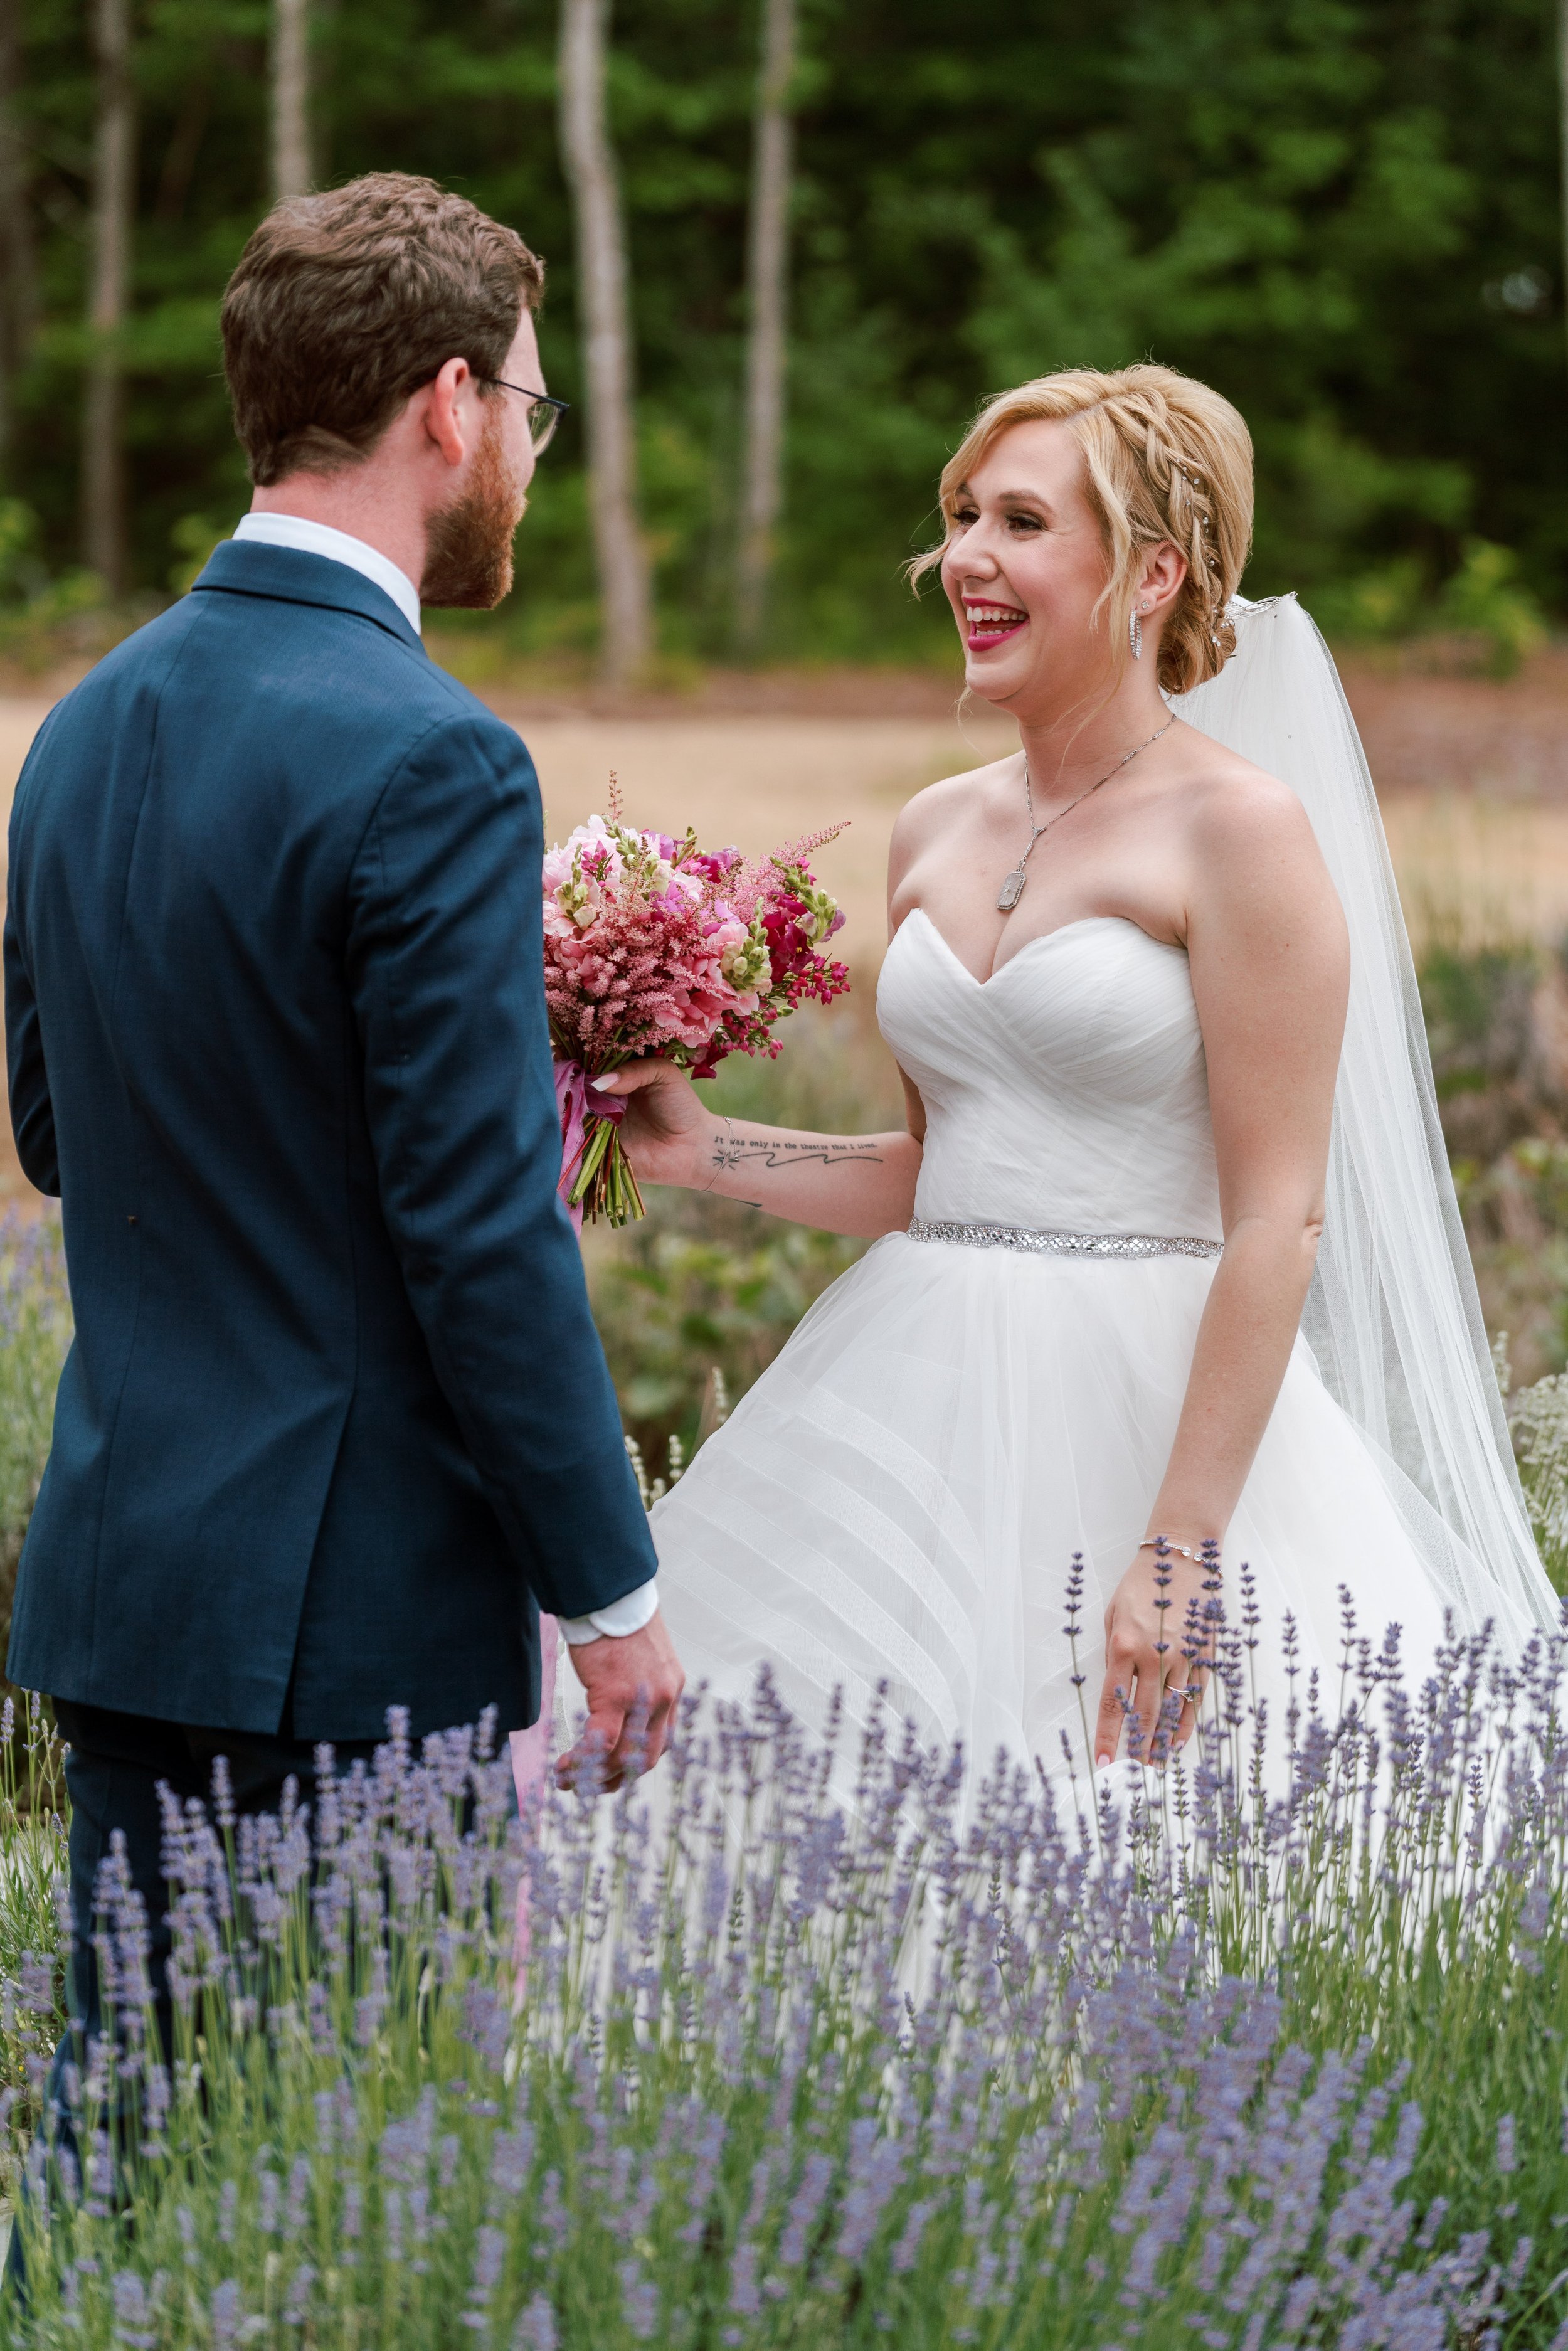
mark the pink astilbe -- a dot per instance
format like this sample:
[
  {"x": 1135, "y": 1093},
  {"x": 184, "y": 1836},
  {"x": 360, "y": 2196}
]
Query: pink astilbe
[{"x": 652, "y": 946}]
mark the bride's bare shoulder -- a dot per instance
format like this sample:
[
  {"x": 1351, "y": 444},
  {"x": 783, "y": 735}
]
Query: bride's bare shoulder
[
  {"x": 1231, "y": 803},
  {"x": 1253, "y": 862},
  {"x": 942, "y": 806}
]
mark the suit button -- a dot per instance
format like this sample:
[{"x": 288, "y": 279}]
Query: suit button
[{"x": 131, "y": 1220}]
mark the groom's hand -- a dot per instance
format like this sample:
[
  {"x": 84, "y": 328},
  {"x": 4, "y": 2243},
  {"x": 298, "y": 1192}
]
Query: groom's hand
[{"x": 633, "y": 1687}]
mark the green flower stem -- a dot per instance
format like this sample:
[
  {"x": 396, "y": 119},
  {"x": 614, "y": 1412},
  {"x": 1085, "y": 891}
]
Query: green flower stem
[{"x": 606, "y": 1183}]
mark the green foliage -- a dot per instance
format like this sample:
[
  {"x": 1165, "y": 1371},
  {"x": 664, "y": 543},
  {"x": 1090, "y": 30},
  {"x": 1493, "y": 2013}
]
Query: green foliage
[
  {"x": 33, "y": 1811},
  {"x": 1343, "y": 213},
  {"x": 1373, "y": 607},
  {"x": 65, "y": 615},
  {"x": 1538, "y": 1416},
  {"x": 1493, "y": 1023},
  {"x": 20, "y": 571},
  {"x": 38, "y": 612},
  {"x": 192, "y": 538},
  {"x": 672, "y": 1306},
  {"x": 1474, "y": 1001},
  {"x": 34, "y": 1333},
  {"x": 1486, "y": 600}
]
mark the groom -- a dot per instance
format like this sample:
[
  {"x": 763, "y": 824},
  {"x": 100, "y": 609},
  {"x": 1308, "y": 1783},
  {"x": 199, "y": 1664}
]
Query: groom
[{"x": 337, "y": 1423}]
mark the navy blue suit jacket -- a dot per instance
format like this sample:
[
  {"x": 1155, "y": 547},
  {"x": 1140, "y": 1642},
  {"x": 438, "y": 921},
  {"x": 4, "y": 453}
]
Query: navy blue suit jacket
[{"x": 335, "y": 1412}]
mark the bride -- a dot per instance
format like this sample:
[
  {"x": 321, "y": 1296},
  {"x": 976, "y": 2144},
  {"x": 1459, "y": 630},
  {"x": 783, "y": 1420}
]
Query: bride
[{"x": 1150, "y": 993}]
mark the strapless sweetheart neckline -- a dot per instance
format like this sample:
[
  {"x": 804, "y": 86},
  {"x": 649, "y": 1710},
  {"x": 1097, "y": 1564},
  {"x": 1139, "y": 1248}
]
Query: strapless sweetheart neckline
[
  {"x": 1041, "y": 939},
  {"x": 1068, "y": 1094}
]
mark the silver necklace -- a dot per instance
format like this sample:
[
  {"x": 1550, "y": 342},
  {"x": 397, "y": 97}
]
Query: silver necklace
[{"x": 1014, "y": 884}]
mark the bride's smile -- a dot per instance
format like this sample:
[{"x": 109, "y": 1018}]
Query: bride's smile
[{"x": 990, "y": 622}]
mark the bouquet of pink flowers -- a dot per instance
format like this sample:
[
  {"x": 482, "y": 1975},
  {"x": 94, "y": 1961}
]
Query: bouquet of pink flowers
[{"x": 652, "y": 946}]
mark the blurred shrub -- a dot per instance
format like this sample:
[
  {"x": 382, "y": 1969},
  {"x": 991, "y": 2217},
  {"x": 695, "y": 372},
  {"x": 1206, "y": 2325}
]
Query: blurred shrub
[
  {"x": 34, "y": 1333},
  {"x": 69, "y": 617},
  {"x": 43, "y": 618},
  {"x": 34, "y": 1809},
  {"x": 21, "y": 572},
  {"x": 1538, "y": 1417},
  {"x": 1486, "y": 601},
  {"x": 1497, "y": 1022},
  {"x": 192, "y": 538},
  {"x": 674, "y": 1306},
  {"x": 1483, "y": 619},
  {"x": 1462, "y": 989},
  {"x": 1497, "y": 1019},
  {"x": 1375, "y": 607}
]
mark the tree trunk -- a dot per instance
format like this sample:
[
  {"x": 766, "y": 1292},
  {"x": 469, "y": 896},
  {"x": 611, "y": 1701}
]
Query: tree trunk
[
  {"x": 291, "y": 98},
  {"x": 18, "y": 272},
  {"x": 606, "y": 326},
  {"x": 767, "y": 278},
  {"x": 103, "y": 529}
]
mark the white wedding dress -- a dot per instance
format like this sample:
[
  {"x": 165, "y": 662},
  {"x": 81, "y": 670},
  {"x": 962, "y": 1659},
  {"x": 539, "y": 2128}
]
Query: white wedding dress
[{"x": 899, "y": 1497}]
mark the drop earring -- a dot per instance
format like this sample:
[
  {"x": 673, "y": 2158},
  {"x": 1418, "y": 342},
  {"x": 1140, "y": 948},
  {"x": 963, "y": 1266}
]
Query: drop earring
[{"x": 1136, "y": 633}]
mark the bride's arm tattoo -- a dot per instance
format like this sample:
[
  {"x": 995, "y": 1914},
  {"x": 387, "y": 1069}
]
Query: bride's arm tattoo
[
  {"x": 839, "y": 1184},
  {"x": 738, "y": 1151}
]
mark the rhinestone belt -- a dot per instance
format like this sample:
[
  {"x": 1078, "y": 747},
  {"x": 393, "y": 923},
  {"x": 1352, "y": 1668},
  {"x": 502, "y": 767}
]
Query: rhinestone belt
[{"x": 1038, "y": 1244}]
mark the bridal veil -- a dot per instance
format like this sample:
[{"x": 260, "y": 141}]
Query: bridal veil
[{"x": 1393, "y": 1317}]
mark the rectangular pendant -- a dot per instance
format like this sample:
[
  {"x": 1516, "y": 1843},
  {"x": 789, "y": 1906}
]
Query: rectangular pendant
[{"x": 1011, "y": 890}]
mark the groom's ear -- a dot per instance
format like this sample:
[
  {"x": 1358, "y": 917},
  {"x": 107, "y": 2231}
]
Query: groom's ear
[{"x": 452, "y": 418}]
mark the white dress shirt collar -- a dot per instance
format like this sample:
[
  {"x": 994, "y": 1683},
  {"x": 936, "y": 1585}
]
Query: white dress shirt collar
[{"x": 337, "y": 547}]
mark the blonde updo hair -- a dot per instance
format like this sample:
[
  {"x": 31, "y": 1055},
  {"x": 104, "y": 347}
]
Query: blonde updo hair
[{"x": 1164, "y": 458}]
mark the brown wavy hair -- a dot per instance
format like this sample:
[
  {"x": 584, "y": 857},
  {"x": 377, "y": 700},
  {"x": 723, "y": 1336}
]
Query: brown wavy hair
[
  {"x": 343, "y": 304},
  {"x": 1164, "y": 458}
]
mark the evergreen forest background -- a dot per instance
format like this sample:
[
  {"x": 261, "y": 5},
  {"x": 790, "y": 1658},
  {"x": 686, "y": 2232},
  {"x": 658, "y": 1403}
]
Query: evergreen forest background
[{"x": 1345, "y": 213}]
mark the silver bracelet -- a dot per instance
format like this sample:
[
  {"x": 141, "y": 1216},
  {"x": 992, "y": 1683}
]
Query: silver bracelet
[{"x": 1153, "y": 1543}]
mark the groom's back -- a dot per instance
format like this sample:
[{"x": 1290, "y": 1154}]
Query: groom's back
[
  {"x": 182, "y": 837},
  {"x": 222, "y": 878}
]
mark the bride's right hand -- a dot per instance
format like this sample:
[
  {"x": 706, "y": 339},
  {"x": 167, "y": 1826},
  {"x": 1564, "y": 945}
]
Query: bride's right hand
[
  {"x": 1157, "y": 1658},
  {"x": 666, "y": 1127}
]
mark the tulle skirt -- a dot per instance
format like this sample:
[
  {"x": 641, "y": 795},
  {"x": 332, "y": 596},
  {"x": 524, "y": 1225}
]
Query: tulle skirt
[{"x": 898, "y": 1501}]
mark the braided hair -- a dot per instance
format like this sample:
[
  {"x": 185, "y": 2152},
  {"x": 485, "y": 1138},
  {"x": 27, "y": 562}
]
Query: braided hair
[{"x": 1165, "y": 459}]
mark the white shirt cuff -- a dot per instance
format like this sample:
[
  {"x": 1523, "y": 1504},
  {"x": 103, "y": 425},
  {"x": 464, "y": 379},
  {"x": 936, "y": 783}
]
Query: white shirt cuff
[{"x": 627, "y": 1615}]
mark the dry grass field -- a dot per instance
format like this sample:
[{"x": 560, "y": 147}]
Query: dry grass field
[
  {"x": 1473, "y": 777},
  {"x": 1477, "y": 870}
]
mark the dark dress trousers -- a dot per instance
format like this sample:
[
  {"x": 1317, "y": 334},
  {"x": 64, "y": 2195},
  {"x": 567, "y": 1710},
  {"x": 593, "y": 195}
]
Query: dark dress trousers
[{"x": 336, "y": 1421}]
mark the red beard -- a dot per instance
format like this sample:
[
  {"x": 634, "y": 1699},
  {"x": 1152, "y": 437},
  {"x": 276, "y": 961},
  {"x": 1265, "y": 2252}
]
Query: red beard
[{"x": 468, "y": 557}]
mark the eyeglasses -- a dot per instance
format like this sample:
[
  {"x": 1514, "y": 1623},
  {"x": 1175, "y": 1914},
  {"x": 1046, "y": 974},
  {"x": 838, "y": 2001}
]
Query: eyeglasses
[{"x": 544, "y": 413}]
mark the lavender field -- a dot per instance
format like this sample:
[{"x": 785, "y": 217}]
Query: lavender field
[{"x": 844, "y": 2049}]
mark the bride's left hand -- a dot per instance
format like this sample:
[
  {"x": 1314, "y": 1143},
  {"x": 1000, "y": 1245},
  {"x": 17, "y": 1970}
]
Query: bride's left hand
[
  {"x": 1150, "y": 1649},
  {"x": 666, "y": 1126}
]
